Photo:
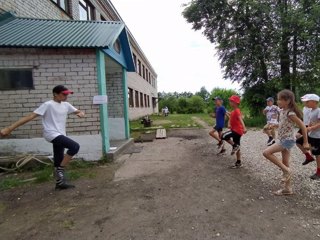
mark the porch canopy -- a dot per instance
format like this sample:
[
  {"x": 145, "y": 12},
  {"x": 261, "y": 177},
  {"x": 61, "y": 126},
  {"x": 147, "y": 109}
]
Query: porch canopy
[{"x": 47, "y": 33}]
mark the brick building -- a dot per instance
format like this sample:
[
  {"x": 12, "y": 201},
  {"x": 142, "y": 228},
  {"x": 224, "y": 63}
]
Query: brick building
[
  {"x": 90, "y": 57},
  {"x": 142, "y": 83}
]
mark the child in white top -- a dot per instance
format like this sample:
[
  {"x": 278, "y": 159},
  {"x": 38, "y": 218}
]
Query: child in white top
[
  {"x": 272, "y": 113},
  {"x": 306, "y": 120},
  {"x": 289, "y": 116}
]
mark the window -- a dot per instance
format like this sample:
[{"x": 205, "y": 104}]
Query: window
[
  {"x": 135, "y": 60},
  {"x": 141, "y": 99},
  {"x": 117, "y": 46},
  {"x": 139, "y": 67},
  {"x": 102, "y": 18},
  {"x": 86, "y": 10},
  {"x": 145, "y": 100},
  {"x": 137, "y": 98},
  {"x": 147, "y": 75},
  {"x": 143, "y": 71},
  {"x": 62, "y": 4},
  {"x": 130, "y": 96},
  {"x": 16, "y": 79},
  {"x": 148, "y": 100}
]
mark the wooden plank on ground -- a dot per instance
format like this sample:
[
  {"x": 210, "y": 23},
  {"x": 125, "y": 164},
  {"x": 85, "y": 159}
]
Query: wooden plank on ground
[{"x": 161, "y": 133}]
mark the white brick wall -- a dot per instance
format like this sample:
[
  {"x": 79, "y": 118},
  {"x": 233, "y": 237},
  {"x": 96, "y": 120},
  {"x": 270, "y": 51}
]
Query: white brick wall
[
  {"x": 74, "y": 68},
  {"x": 45, "y": 9}
]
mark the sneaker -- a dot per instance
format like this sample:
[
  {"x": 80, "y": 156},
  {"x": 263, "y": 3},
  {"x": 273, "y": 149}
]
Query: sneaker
[
  {"x": 315, "y": 177},
  {"x": 271, "y": 142},
  {"x": 222, "y": 151},
  {"x": 236, "y": 165},
  {"x": 235, "y": 149},
  {"x": 63, "y": 186},
  {"x": 307, "y": 161}
]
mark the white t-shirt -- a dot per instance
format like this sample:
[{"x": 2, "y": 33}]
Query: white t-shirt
[
  {"x": 272, "y": 112},
  {"x": 54, "y": 118},
  {"x": 314, "y": 119},
  {"x": 306, "y": 115}
]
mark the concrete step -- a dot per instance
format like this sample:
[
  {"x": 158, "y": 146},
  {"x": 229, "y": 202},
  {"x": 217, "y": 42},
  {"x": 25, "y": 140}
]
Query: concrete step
[{"x": 118, "y": 147}]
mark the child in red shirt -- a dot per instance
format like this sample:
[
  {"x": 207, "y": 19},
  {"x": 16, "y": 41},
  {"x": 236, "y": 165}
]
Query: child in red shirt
[{"x": 237, "y": 129}]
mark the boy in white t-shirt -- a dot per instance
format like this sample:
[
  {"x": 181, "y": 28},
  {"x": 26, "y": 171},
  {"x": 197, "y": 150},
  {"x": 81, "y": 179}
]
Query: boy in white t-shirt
[
  {"x": 54, "y": 116},
  {"x": 312, "y": 101},
  {"x": 272, "y": 114},
  {"x": 306, "y": 120}
]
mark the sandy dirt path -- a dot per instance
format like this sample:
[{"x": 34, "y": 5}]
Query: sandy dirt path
[{"x": 177, "y": 188}]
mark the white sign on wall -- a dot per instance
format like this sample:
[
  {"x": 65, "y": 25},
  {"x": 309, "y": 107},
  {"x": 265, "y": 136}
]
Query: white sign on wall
[{"x": 100, "y": 99}]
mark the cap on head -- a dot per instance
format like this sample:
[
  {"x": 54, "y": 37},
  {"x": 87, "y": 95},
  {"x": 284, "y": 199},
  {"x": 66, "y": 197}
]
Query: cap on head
[
  {"x": 61, "y": 89},
  {"x": 271, "y": 99},
  {"x": 310, "y": 97},
  {"x": 235, "y": 99},
  {"x": 217, "y": 98}
]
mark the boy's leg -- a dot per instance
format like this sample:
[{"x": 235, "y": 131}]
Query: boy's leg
[
  {"x": 213, "y": 133},
  {"x": 267, "y": 130},
  {"x": 316, "y": 176},
  {"x": 309, "y": 157},
  {"x": 62, "y": 142},
  {"x": 227, "y": 137}
]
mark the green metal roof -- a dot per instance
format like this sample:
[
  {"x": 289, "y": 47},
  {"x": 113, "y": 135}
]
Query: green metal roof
[{"x": 28, "y": 32}]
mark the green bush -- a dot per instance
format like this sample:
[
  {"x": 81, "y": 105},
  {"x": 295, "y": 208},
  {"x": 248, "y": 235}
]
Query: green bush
[{"x": 255, "y": 121}]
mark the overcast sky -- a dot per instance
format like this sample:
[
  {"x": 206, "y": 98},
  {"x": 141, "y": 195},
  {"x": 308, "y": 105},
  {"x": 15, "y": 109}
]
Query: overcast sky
[{"x": 183, "y": 59}]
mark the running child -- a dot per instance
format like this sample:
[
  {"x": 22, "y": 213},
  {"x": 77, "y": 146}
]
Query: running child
[
  {"x": 272, "y": 114},
  {"x": 54, "y": 115},
  {"x": 290, "y": 116},
  {"x": 237, "y": 129},
  {"x": 219, "y": 114},
  {"x": 306, "y": 119},
  {"x": 312, "y": 101}
]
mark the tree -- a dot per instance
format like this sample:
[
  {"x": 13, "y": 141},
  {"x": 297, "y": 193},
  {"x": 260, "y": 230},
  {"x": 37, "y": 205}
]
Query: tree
[
  {"x": 204, "y": 94},
  {"x": 259, "y": 41},
  {"x": 223, "y": 93},
  {"x": 195, "y": 104}
]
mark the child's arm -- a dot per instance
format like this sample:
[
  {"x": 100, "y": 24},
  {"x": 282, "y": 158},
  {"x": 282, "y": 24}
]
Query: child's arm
[
  {"x": 303, "y": 128},
  {"x": 6, "y": 131},
  {"x": 242, "y": 123},
  {"x": 79, "y": 113},
  {"x": 313, "y": 126}
]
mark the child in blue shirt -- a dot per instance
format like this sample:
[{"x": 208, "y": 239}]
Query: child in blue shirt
[{"x": 219, "y": 114}]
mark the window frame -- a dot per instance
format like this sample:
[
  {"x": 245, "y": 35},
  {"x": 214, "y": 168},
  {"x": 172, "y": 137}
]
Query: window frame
[
  {"x": 137, "y": 104},
  {"x": 66, "y": 4},
  {"x": 141, "y": 100},
  {"x": 130, "y": 96},
  {"x": 89, "y": 8},
  {"x": 19, "y": 69}
]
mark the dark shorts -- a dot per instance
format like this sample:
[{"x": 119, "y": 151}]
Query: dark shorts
[
  {"x": 61, "y": 143},
  {"x": 314, "y": 142},
  {"x": 230, "y": 134},
  {"x": 218, "y": 129}
]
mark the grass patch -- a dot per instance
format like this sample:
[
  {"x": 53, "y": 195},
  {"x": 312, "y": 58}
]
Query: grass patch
[
  {"x": 257, "y": 121},
  {"x": 10, "y": 182},
  {"x": 43, "y": 173},
  {"x": 206, "y": 118},
  {"x": 172, "y": 121}
]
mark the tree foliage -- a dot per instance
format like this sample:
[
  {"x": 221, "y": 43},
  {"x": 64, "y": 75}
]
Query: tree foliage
[{"x": 263, "y": 41}]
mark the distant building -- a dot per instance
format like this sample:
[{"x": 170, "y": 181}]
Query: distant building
[{"x": 41, "y": 45}]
